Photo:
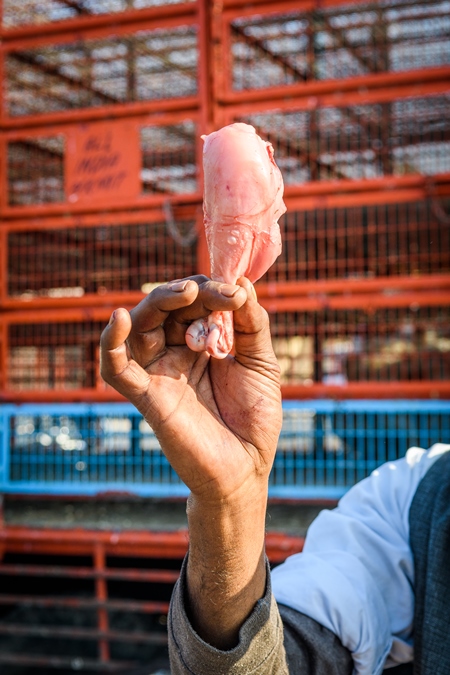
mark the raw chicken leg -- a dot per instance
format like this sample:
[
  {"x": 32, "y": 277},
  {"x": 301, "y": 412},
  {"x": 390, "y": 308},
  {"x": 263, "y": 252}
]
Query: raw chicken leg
[{"x": 243, "y": 199}]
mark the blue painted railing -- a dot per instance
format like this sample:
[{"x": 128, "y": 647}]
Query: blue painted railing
[{"x": 324, "y": 448}]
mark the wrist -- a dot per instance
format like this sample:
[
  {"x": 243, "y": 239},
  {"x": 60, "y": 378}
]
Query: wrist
[{"x": 226, "y": 572}]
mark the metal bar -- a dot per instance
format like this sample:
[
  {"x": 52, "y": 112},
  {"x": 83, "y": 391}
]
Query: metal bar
[
  {"x": 181, "y": 11},
  {"x": 3, "y": 162},
  {"x": 380, "y": 390},
  {"x": 367, "y": 301},
  {"x": 75, "y": 633},
  {"x": 155, "y": 576},
  {"x": 384, "y": 183},
  {"x": 243, "y": 7},
  {"x": 165, "y": 117},
  {"x": 149, "y": 201},
  {"x": 3, "y": 261},
  {"x": 148, "y": 544},
  {"x": 272, "y": 304},
  {"x": 85, "y": 603},
  {"x": 153, "y": 215},
  {"x": 188, "y": 105},
  {"x": 381, "y": 284},
  {"x": 335, "y": 201},
  {"x": 278, "y": 289},
  {"x": 315, "y": 194},
  {"x": 75, "y": 663},
  {"x": 97, "y": 27},
  {"x": 331, "y": 92},
  {"x": 101, "y": 594},
  {"x": 4, "y": 349}
]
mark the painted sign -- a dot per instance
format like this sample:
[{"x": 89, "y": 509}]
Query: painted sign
[{"x": 103, "y": 162}]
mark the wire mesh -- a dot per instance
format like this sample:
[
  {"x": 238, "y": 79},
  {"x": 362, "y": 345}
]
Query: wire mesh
[
  {"x": 323, "y": 449},
  {"x": 337, "y": 347},
  {"x": 54, "y": 356},
  {"x": 36, "y": 170},
  {"x": 37, "y": 12},
  {"x": 108, "y": 448},
  {"x": 364, "y": 242},
  {"x": 36, "y": 164},
  {"x": 169, "y": 158},
  {"x": 334, "y": 43},
  {"x": 361, "y": 141},
  {"x": 145, "y": 66},
  {"x": 108, "y": 258}
]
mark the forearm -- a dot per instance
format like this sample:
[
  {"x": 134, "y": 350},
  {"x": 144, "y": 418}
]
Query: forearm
[{"x": 226, "y": 574}]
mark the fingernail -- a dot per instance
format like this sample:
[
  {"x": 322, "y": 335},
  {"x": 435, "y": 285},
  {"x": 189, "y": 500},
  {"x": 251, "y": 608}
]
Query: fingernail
[
  {"x": 254, "y": 293},
  {"x": 178, "y": 286},
  {"x": 112, "y": 317},
  {"x": 228, "y": 290}
]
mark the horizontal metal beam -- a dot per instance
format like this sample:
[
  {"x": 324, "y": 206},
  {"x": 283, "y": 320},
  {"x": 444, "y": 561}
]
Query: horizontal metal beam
[
  {"x": 50, "y": 601},
  {"x": 282, "y": 289},
  {"x": 76, "y": 633},
  {"x": 266, "y": 291},
  {"x": 138, "y": 543},
  {"x": 349, "y": 91},
  {"x": 74, "y": 663},
  {"x": 111, "y": 22},
  {"x": 379, "y": 390},
  {"x": 151, "y": 576}
]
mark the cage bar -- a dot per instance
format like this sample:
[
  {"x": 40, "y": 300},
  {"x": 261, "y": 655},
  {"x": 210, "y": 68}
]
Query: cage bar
[
  {"x": 324, "y": 447},
  {"x": 358, "y": 142},
  {"x": 72, "y": 263},
  {"x": 109, "y": 70},
  {"x": 391, "y": 341},
  {"x": 39, "y": 13},
  {"x": 332, "y": 43},
  {"x": 337, "y": 347},
  {"x": 364, "y": 242}
]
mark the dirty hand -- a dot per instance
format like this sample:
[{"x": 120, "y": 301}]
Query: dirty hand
[{"x": 217, "y": 420}]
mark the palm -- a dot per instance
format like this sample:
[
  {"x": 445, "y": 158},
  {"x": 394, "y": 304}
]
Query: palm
[
  {"x": 217, "y": 421},
  {"x": 212, "y": 415}
]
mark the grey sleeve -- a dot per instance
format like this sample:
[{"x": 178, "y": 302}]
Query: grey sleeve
[{"x": 268, "y": 642}]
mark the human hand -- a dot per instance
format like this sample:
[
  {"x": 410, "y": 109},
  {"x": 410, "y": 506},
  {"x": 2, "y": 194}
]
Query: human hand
[{"x": 217, "y": 420}]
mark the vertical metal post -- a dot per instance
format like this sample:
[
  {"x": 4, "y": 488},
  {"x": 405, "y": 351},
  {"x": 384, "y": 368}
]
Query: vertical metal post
[
  {"x": 3, "y": 355},
  {"x": 2, "y": 70},
  {"x": 205, "y": 119},
  {"x": 3, "y": 262},
  {"x": 101, "y": 592},
  {"x": 3, "y": 154}
]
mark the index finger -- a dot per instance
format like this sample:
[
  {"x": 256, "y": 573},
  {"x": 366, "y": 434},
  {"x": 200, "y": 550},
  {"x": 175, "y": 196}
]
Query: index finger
[{"x": 154, "y": 309}]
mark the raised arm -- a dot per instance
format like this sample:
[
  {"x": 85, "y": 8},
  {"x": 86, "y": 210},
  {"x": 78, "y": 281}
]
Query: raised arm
[{"x": 218, "y": 422}]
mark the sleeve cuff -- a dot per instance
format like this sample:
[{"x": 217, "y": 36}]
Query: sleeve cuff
[{"x": 260, "y": 650}]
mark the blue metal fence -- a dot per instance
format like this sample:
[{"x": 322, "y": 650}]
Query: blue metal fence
[{"x": 324, "y": 447}]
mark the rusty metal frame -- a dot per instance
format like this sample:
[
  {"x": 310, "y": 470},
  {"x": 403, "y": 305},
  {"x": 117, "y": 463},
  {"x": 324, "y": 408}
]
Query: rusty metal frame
[
  {"x": 294, "y": 303},
  {"x": 216, "y": 104},
  {"x": 100, "y": 112},
  {"x": 99, "y": 21},
  {"x": 98, "y": 545}
]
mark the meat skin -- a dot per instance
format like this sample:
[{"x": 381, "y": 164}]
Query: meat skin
[{"x": 243, "y": 200}]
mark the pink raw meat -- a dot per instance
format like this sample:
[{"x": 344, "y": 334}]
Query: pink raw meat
[{"x": 243, "y": 199}]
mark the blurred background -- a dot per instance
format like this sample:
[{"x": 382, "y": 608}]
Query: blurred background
[{"x": 102, "y": 107}]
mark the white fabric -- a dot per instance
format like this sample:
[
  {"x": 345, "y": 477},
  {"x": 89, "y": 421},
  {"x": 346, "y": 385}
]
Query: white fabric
[{"x": 355, "y": 574}]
